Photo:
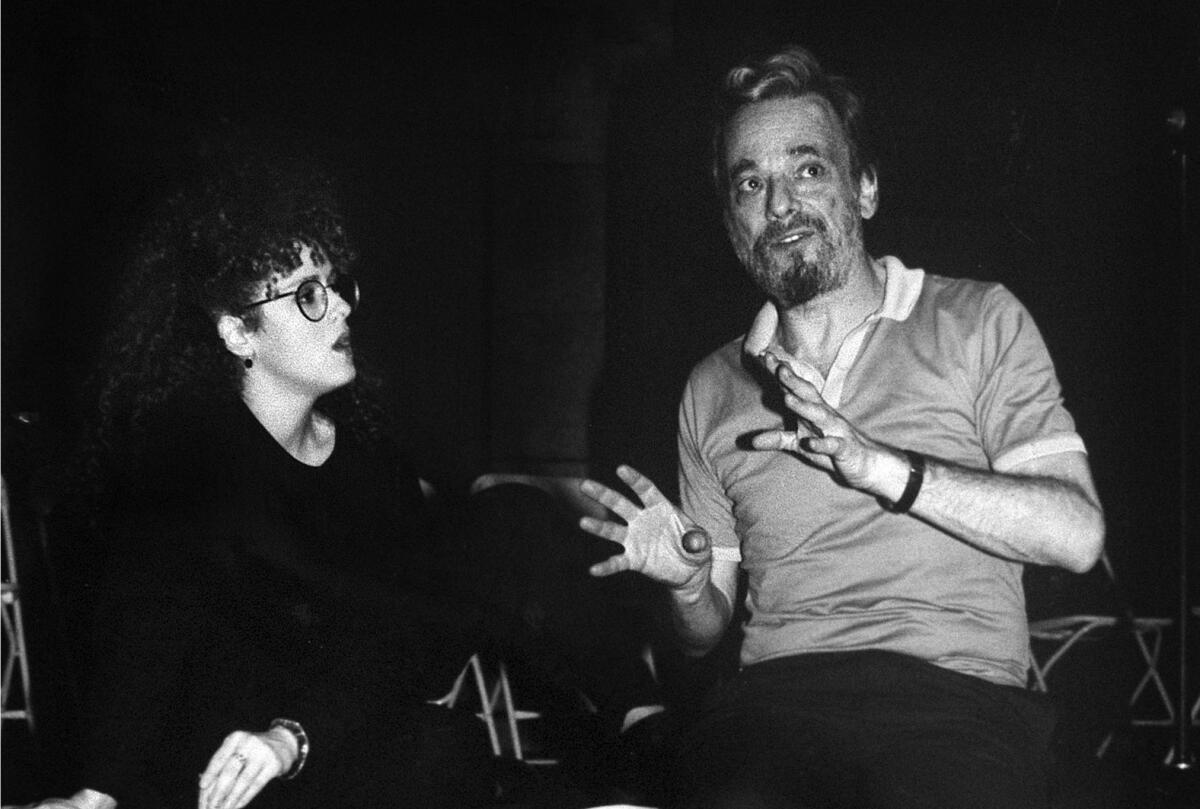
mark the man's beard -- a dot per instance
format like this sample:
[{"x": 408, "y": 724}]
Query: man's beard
[{"x": 783, "y": 273}]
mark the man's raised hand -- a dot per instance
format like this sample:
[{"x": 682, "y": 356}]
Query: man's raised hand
[{"x": 658, "y": 539}]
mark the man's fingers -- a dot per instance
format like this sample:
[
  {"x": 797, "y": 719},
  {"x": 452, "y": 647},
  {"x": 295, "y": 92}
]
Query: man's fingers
[
  {"x": 769, "y": 361},
  {"x": 776, "y": 439},
  {"x": 611, "y": 565},
  {"x": 646, "y": 491},
  {"x": 610, "y": 499},
  {"x": 812, "y": 414},
  {"x": 827, "y": 445},
  {"x": 795, "y": 383},
  {"x": 603, "y": 529}
]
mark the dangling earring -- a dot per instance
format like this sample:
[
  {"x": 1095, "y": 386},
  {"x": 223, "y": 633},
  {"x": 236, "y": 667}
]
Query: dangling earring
[{"x": 248, "y": 362}]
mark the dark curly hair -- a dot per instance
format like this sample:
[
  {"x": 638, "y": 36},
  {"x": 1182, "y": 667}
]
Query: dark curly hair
[
  {"x": 249, "y": 212},
  {"x": 792, "y": 72}
]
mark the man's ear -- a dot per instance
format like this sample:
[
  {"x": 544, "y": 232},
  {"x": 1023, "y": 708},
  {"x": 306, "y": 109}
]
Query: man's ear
[
  {"x": 235, "y": 336},
  {"x": 868, "y": 193}
]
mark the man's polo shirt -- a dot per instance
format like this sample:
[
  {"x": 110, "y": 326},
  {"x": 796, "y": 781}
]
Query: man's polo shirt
[{"x": 955, "y": 369}]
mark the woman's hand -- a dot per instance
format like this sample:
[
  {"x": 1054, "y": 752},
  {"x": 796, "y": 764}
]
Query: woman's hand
[
  {"x": 243, "y": 765},
  {"x": 83, "y": 799},
  {"x": 657, "y": 541}
]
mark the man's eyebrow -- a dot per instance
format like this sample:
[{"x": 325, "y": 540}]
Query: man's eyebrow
[
  {"x": 742, "y": 165},
  {"x": 803, "y": 150}
]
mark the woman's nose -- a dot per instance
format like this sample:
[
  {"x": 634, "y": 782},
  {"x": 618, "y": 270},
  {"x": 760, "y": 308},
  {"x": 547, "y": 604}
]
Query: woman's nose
[{"x": 340, "y": 306}]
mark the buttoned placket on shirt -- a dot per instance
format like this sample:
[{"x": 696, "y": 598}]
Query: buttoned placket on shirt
[
  {"x": 900, "y": 293},
  {"x": 832, "y": 386}
]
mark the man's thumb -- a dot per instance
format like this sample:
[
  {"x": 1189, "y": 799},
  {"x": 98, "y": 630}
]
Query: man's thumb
[{"x": 695, "y": 540}]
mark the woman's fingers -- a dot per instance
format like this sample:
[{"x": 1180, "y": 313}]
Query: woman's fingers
[
  {"x": 225, "y": 780},
  {"x": 249, "y": 783},
  {"x": 244, "y": 766},
  {"x": 220, "y": 758},
  {"x": 240, "y": 784},
  {"x": 222, "y": 771},
  {"x": 237, "y": 772}
]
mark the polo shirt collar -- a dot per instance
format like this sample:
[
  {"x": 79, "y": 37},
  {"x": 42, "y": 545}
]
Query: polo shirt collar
[{"x": 902, "y": 287}]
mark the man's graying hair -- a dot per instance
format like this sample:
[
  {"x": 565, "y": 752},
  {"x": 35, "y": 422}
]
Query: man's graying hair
[{"x": 792, "y": 72}]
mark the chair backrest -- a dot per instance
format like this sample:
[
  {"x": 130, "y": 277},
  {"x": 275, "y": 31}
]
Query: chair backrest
[{"x": 562, "y": 488}]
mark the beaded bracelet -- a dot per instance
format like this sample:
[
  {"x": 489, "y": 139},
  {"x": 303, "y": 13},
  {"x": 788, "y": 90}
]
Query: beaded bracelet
[{"x": 294, "y": 728}]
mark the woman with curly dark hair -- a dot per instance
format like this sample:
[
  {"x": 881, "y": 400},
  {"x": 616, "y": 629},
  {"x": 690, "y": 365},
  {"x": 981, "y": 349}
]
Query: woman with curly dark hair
[{"x": 266, "y": 615}]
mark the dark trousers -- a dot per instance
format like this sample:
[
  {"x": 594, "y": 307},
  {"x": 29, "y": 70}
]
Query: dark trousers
[{"x": 865, "y": 730}]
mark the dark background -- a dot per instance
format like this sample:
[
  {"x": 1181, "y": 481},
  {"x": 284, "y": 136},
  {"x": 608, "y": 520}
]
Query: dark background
[
  {"x": 1023, "y": 142},
  {"x": 543, "y": 258}
]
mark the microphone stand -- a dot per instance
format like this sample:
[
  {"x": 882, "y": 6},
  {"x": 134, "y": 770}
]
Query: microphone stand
[{"x": 1181, "y": 757}]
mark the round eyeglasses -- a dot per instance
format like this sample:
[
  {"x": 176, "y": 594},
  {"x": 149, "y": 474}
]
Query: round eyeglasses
[{"x": 312, "y": 296}]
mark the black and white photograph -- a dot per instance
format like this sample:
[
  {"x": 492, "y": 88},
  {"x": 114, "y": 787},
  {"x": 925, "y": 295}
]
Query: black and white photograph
[{"x": 567, "y": 404}]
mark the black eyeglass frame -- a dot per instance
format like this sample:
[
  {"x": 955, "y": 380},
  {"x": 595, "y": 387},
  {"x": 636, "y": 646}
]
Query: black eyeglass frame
[{"x": 344, "y": 283}]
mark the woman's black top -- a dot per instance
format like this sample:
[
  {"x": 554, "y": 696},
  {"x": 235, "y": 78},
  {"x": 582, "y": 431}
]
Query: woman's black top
[{"x": 245, "y": 586}]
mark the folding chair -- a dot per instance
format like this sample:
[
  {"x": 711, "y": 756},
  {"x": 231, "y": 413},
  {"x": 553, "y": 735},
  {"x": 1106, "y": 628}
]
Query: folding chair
[
  {"x": 1065, "y": 632},
  {"x": 1195, "y": 714},
  {"x": 530, "y": 512},
  {"x": 561, "y": 487},
  {"x": 16, "y": 659},
  {"x": 495, "y": 698}
]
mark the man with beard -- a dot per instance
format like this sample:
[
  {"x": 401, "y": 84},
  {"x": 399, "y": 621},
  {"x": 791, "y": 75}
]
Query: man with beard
[{"x": 880, "y": 455}]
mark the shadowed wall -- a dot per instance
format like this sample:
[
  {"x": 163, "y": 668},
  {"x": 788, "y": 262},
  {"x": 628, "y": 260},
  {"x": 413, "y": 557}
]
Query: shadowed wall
[{"x": 543, "y": 255}]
